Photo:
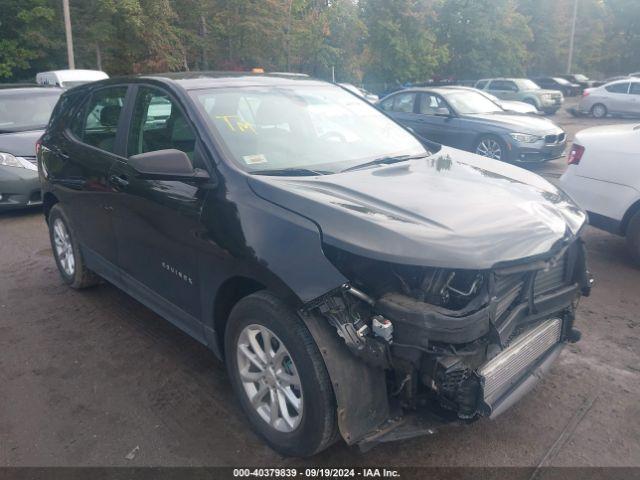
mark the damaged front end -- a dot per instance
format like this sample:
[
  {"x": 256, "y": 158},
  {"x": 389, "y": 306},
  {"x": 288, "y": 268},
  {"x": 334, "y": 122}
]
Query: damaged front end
[{"x": 443, "y": 345}]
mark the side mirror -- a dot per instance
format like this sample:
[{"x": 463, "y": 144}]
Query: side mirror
[
  {"x": 168, "y": 164},
  {"x": 443, "y": 112}
]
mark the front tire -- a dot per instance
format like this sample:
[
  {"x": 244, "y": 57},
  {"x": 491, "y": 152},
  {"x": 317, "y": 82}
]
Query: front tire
[
  {"x": 599, "y": 110},
  {"x": 279, "y": 376},
  {"x": 492, "y": 147},
  {"x": 633, "y": 238},
  {"x": 66, "y": 252}
]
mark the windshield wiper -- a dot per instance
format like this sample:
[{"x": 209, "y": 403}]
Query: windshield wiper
[
  {"x": 385, "y": 161},
  {"x": 291, "y": 172}
]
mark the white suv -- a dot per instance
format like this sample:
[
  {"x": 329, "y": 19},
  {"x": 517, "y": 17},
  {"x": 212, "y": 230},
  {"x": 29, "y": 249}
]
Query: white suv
[{"x": 603, "y": 177}]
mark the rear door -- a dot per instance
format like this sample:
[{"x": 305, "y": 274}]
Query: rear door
[
  {"x": 157, "y": 222},
  {"x": 84, "y": 154},
  {"x": 634, "y": 94},
  {"x": 618, "y": 98}
]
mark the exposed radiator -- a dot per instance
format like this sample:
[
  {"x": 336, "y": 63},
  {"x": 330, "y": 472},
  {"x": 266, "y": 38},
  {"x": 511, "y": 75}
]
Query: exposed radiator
[{"x": 503, "y": 371}]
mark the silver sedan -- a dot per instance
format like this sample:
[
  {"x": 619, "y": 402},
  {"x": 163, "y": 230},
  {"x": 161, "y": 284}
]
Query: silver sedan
[{"x": 621, "y": 97}]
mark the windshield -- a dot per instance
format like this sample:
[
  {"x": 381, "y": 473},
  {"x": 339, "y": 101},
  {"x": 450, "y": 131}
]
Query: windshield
[
  {"x": 562, "y": 81},
  {"x": 26, "y": 110},
  {"x": 315, "y": 127},
  {"x": 469, "y": 103},
  {"x": 526, "y": 84}
]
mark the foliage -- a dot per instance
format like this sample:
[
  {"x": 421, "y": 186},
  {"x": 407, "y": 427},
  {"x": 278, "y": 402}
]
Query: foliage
[{"x": 381, "y": 42}]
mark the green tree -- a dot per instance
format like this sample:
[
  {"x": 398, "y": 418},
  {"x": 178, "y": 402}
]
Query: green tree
[
  {"x": 26, "y": 37},
  {"x": 485, "y": 37},
  {"x": 401, "y": 44}
]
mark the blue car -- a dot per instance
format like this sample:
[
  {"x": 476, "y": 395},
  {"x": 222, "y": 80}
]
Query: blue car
[{"x": 467, "y": 120}]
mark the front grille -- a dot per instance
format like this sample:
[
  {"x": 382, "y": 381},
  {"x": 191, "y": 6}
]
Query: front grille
[
  {"x": 32, "y": 160},
  {"x": 550, "y": 279},
  {"x": 502, "y": 372}
]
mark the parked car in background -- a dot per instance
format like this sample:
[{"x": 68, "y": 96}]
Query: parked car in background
[
  {"x": 361, "y": 92},
  {"x": 567, "y": 88},
  {"x": 69, "y": 78},
  {"x": 603, "y": 177},
  {"x": 523, "y": 90},
  {"x": 580, "y": 79},
  {"x": 599, "y": 83},
  {"x": 24, "y": 113},
  {"x": 320, "y": 248},
  {"x": 509, "y": 106},
  {"x": 468, "y": 120},
  {"x": 621, "y": 98}
]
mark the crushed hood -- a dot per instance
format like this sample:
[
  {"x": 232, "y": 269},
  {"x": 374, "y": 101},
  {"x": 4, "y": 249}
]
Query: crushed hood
[{"x": 453, "y": 209}]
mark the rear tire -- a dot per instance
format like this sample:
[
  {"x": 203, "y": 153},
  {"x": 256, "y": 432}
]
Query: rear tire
[
  {"x": 633, "y": 238},
  {"x": 599, "y": 110},
  {"x": 66, "y": 251},
  {"x": 308, "y": 424}
]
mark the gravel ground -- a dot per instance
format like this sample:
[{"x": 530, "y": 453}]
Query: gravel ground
[{"x": 94, "y": 378}]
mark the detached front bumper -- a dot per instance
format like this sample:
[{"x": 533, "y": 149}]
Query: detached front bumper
[{"x": 19, "y": 188}]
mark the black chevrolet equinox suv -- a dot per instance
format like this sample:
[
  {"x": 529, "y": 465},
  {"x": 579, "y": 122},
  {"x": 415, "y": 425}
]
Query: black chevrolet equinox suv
[{"x": 358, "y": 281}]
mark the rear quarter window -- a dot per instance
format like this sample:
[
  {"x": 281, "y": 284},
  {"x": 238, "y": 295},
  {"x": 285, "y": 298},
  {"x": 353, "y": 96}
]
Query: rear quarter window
[{"x": 618, "y": 88}]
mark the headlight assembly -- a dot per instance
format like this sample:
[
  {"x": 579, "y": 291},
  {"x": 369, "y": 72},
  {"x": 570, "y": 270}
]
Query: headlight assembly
[
  {"x": 8, "y": 160},
  {"x": 525, "y": 137}
]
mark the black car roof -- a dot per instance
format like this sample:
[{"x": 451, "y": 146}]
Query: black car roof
[{"x": 203, "y": 80}]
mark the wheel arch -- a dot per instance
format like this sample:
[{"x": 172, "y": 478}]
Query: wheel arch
[
  {"x": 533, "y": 100},
  {"x": 628, "y": 215},
  {"x": 230, "y": 292},
  {"x": 48, "y": 201}
]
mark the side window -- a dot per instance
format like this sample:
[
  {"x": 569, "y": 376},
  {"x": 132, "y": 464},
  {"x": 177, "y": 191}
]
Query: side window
[
  {"x": 159, "y": 124},
  {"x": 429, "y": 104},
  {"x": 387, "y": 105},
  {"x": 503, "y": 86},
  {"x": 635, "y": 88},
  {"x": 96, "y": 123},
  {"x": 618, "y": 88},
  {"x": 403, "y": 102},
  {"x": 481, "y": 84}
]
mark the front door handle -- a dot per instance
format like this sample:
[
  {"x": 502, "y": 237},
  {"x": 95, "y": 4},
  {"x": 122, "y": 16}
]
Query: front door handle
[{"x": 119, "y": 180}]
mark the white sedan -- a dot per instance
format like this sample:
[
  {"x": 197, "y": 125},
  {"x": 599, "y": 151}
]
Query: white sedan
[{"x": 603, "y": 177}]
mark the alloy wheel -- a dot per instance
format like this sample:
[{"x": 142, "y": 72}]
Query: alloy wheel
[
  {"x": 599, "y": 111},
  {"x": 270, "y": 378},
  {"x": 489, "y": 147},
  {"x": 64, "y": 247}
]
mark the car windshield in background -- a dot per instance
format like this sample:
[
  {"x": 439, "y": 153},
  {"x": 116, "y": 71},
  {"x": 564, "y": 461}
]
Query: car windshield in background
[
  {"x": 469, "y": 103},
  {"x": 526, "y": 84},
  {"x": 314, "y": 128},
  {"x": 581, "y": 78},
  {"x": 26, "y": 111},
  {"x": 562, "y": 81}
]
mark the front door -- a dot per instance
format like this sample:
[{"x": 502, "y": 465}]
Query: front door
[
  {"x": 157, "y": 222},
  {"x": 85, "y": 154}
]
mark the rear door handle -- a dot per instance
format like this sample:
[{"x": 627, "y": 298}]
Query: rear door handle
[{"x": 119, "y": 181}]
